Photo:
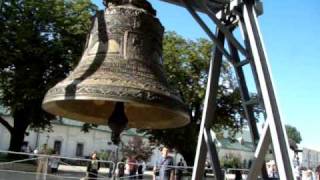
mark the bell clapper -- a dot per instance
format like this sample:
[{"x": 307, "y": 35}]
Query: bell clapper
[{"x": 117, "y": 122}]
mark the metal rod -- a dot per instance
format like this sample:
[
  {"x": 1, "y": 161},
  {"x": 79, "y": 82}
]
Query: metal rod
[
  {"x": 241, "y": 63},
  {"x": 244, "y": 34},
  {"x": 206, "y": 29},
  {"x": 244, "y": 92},
  {"x": 209, "y": 108},
  {"x": 278, "y": 134},
  {"x": 213, "y": 154},
  {"x": 262, "y": 149},
  {"x": 250, "y": 102}
]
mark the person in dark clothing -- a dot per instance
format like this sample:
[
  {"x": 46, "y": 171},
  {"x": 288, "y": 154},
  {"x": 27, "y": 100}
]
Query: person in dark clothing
[
  {"x": 238, "y": 175},
  {"x": 179, "y": 170},
  {"x": 121, "y": 167},
  {"x": 93, "y": 167},
  {"x": 207, "y": 168},
  {"x": 132, "y": 167},
  {"x": 318, "y": 172},
  {"x": 140, "y": 168}
]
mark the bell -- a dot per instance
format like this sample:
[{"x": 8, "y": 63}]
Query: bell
[{"x": 119, "y": 80}]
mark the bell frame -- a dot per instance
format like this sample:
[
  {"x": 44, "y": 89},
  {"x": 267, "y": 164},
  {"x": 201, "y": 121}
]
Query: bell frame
[{"x": 231, "y": 15}]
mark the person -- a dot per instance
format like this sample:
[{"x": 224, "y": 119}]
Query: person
[
  {"x": 24, "y": 147},
  {"x": 42, "y": 167},
  {"x": 238, "y": 175},
  {"x": 179, "y": 170},
  {"x": 111, "y": 150},
  {"x": 274, "y": 172},
  {"x": 132, "y": 167},
  {"x": 121, "y": 167},
  {"x": 318, "y": 173},
  {"x": 207, "y": 168},
  {"x": 297, "y": 173},
  {"x": 93, "y": 167},
  {"x": 307, "y": 175},
  {"x": 141, "y": 165},
  {"x": 165, "y": 171},
  {"x": 54, "y": 163}
]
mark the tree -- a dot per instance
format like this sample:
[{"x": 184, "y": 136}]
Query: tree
[
  {"x": 40, "y": 41},
  {"x": 186, "y": 63},
  {"x": 230, "y": 161},
  {"x": 137, "y": 148},
  {"x": 293, "y": 134}
]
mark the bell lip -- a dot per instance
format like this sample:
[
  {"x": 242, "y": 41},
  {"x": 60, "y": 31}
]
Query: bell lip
[{"x": 180, "y": 110}]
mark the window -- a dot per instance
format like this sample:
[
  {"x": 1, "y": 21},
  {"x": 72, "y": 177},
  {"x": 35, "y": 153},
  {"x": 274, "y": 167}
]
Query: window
[
  {"x": 79, "y": 149},
  {"x": 57, "y": 146}
]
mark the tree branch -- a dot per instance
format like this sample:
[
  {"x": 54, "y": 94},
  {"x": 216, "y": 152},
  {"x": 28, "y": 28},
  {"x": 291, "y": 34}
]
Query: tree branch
[{"x": 6, "y": 124}]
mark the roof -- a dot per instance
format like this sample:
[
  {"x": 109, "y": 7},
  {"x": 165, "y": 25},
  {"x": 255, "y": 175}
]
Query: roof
[
  {"x": 104, "y": 128},
  {"x": 236, "y": 145}
]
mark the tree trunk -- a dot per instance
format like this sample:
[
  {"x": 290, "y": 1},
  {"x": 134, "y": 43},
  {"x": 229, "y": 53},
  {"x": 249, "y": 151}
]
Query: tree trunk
[
  {"x": 189, "y": 157},
  {"x": 189, "y": 150},
  {"x": 20, "y": 126},
  {"x": 17, "y": 138}
]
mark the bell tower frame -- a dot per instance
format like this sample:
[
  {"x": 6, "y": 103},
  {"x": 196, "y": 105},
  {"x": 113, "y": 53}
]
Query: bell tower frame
[{"x": 228, "y": 15}]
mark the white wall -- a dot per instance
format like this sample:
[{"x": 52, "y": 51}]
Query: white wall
[
  {"x": 4, "y": 134},
  {"x": 69, "y": 135},
  {"x": 310, "y": 158}
]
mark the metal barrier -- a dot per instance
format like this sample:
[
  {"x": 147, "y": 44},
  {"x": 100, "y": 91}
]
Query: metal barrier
[
  {"x": 149, "y": 173},
  {"x": 29, "y": 166},
  {"x": 230, "y": 173}
]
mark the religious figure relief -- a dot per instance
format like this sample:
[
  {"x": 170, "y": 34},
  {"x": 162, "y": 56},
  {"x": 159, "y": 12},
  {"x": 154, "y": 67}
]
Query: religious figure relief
[{"x": 136, "y": 46}]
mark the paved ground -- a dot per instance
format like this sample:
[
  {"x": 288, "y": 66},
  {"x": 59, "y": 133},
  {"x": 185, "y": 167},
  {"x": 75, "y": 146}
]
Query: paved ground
[
  {"x": 5, "y": 175},
  {"x": 27, "y": 172}
]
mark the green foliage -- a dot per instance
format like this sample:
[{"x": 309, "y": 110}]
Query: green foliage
[
  {"x": 137, "y": 148},
  {"x": 186, "y": 63},
  {"x": 230, "y": 161},
  {"x": 103, "y": 155},
  {"x": 40, "y": 41},
  {"x": 293, "y": 134},
  {"x": 87, "y": 126}
]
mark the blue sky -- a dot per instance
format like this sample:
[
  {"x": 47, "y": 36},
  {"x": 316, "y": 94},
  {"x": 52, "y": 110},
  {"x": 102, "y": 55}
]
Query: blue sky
[{"x": 290, "y": 30}]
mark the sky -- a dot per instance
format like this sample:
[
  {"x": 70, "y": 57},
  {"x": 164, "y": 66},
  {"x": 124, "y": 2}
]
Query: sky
[{"x": 290, "y": 30}]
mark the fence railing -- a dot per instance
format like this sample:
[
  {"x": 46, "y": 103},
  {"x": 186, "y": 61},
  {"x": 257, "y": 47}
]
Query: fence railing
[
  {"x": 30, "y": 166},
  {"x": 27, "y": 166}
]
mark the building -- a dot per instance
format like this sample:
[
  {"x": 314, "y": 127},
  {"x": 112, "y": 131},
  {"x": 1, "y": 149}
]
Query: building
[
  {"x": 66, "y": 138},
  {"x": 240, "y": 146},
  {"x": 310, "y": 158}
]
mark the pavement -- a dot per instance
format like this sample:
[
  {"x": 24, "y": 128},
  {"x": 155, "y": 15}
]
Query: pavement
[{"x": 27, "y": 172}]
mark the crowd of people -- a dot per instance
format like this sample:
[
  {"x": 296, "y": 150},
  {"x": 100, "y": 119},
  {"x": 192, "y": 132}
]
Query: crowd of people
[
  {"x": 163, "y": 169},
  {"x": 133, "y": 167},
  {"x": 300, "y": 173},
  {"x": 130, "y": 167}
]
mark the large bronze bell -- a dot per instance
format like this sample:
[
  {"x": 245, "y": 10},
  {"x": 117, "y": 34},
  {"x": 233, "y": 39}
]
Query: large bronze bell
[{"x": 120, "y": 72}]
